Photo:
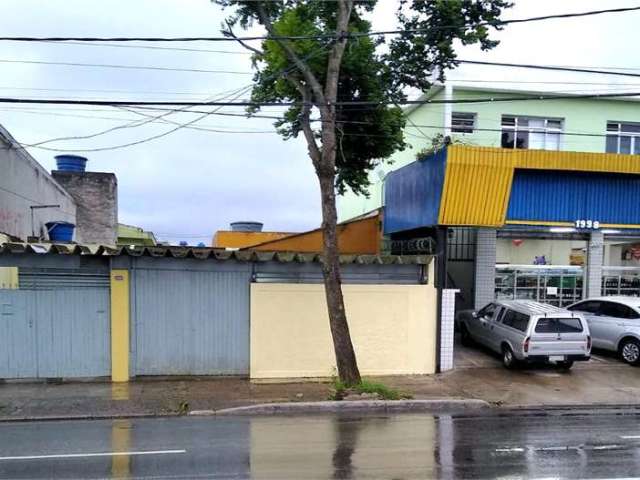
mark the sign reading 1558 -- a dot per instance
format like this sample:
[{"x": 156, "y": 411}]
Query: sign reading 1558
[{"x": 588, "y": 224}]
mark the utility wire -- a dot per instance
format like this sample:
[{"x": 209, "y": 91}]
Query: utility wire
[
  {"x": 495, "y": 23},
  {"x": 549, "y": 67},
  {"x": 218, "y": 104},
  {"x": 126, "y": 67},
  {"x": 250, "y": 103},
  {"x": 91, "y": 90},
  {"x": 149, "y": 47}
]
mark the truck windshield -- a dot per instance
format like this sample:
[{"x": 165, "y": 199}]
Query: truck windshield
[{"x": 559, "y": 325}]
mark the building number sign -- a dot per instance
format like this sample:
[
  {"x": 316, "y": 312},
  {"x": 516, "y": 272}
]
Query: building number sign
[{"x": 588, "y": 224}]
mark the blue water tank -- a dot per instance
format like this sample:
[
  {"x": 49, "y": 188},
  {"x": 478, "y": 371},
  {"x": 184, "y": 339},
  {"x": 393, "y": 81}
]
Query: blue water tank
[
  {"x": 71, "y": 163},
  {"x": 60, "y": 231}
]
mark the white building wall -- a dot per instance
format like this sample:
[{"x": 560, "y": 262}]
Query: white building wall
[
  {"x": 25, "y": 183},
  {"x": 485, "y": 267}
]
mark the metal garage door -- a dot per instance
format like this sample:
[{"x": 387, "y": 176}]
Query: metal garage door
[
  {"x": 55, "y": 326},
  {"x": 191, "y": 322}
]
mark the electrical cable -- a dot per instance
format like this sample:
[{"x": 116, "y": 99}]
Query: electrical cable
[
  {"x": 249, "y": 103},
  {"x": 495, "y": 23},
  {"x": 127, "y": 67},
  {"x": 148, "y": 47},
  {"x": 548, "y": 67},
  {"x": 218, "y": 104}
]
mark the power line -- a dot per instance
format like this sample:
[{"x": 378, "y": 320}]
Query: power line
[
  {"x": 149, "y": 47},
  {"x": 548, "y": 67},
  {"x": 495, "y": 23},
  {"x": 19, "y": 109},
  {"x": 91, "y": 90},
  {"x": 126, "y": 67},
  {"x": 250, "y": 103},
  {"x": 218, "y": 104}
]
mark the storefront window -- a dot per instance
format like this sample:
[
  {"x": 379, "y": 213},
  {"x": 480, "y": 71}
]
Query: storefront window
[
  {"x": 559, "y": 286},
  {"x": 542, "y": 268},
  {"x": 621, "y": 269}
]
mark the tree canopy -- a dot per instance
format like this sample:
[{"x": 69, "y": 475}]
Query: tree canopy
[{"x": 370, "y": 71}]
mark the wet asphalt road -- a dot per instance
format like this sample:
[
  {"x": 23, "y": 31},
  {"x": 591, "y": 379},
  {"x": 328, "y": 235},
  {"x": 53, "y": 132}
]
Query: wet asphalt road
[{"x": 590, "y": 445}]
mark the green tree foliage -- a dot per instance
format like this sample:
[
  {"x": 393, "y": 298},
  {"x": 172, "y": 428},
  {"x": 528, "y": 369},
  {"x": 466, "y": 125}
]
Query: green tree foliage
[{"x": 345, "y": 87}]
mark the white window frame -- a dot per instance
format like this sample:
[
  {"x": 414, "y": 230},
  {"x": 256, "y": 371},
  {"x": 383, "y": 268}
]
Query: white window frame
[
  {"x": 517, "y": 128},
  {"x": 474, "y": 118},
  {"x": 619, "y": 133}
]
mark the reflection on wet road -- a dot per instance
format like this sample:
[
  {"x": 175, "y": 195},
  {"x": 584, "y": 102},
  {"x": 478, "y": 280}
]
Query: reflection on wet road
[{"x": 588, "y": 445}]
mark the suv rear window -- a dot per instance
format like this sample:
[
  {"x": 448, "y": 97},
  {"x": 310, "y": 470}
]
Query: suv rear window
[
  {"x": 559, "y": 325},
  {"x": 516, "y": 320}
]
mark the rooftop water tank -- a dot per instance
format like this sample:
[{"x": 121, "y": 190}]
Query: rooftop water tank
[
  {"x": 60, "y": 231},
  {"x": 71, "y": 163},
  {"x": 246, "y": 227}
]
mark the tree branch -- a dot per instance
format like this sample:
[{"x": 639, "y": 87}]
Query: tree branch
[
  {"x": 229, "y": 33},
  {"x": 337, "y": 52},
  {"x": 293, "y": 56},
  {"x": 305, "y": 122}
]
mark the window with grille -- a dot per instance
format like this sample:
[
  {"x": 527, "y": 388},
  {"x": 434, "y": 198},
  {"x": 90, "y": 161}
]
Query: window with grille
[
  {"x": 463, "y": 122},
  {"x": 623, "y": 138},
  {"x": 531, "y": 132}
]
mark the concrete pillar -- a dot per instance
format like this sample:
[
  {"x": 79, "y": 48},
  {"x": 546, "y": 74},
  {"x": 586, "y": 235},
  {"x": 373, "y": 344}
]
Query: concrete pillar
[
  {"x": 485, "y": 271},
  {"x": 595, "y": 256}
]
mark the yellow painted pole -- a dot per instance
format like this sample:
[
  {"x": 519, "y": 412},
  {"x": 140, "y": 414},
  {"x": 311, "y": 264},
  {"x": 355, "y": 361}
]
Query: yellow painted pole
[{"x": 119, "y": 325}]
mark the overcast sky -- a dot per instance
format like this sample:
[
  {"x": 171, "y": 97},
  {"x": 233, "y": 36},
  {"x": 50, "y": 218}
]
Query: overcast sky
[{"x": 190, "y": 183}]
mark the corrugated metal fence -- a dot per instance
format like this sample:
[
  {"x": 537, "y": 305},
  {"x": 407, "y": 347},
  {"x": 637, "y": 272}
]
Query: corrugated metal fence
[
  {"x": 188, "y": 316},
  {"x": 55, "y": 325},
  {"x": 191, "y": 322}
]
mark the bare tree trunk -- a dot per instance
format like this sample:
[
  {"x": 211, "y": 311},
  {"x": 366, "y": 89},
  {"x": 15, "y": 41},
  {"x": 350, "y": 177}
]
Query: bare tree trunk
[
  {"x": 324, "y": 161},
  {"x": 326, "y": 170},
  {"x": 343, "y": 348}
]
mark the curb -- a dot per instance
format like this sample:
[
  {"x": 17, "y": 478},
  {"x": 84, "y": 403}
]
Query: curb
[
  {"x": 59, "y": 418},
  {"x": 363, "y": 406}
]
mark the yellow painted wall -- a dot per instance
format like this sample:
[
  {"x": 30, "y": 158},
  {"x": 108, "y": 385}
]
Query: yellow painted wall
[
  {"x": 356, "y": 237},
  {"x": 393, "y": 328},
  {"x": 229, "y": 239},
  {"x": 119, "y": 325},
  {"x": 9, "y": 278}
]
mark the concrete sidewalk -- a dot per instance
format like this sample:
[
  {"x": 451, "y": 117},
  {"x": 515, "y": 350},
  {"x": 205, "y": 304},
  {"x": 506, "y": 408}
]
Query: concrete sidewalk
[{"x": 591, "y": 384}]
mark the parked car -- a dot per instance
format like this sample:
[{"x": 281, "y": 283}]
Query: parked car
[
  {"x": 527, "y": 331},
  {"x": 614, "y": 323}
]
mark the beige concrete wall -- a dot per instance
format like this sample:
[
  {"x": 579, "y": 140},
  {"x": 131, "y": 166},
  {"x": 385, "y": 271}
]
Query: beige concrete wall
[{"x": 393, "y": 328}]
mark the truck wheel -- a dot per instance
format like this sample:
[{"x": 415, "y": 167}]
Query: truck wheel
[
  {"x": 465, "y": 336},
  {"x": 630, "y": 351},
  {"x": 566, "y": 365},
  {"x": 508, "y": 358}
]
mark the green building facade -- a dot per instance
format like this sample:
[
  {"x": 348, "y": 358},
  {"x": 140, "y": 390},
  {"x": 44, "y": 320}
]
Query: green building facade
[{"x": 566, "y": 124}]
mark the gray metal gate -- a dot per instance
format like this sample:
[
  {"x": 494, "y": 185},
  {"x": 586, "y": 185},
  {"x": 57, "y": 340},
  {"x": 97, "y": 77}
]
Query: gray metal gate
[
  {"x": 191, "y": 321},
  {"x": 55, "y": 326}
]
